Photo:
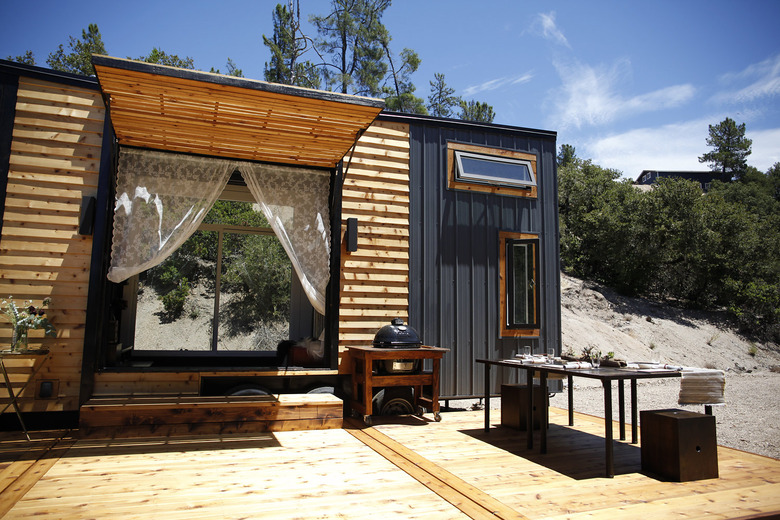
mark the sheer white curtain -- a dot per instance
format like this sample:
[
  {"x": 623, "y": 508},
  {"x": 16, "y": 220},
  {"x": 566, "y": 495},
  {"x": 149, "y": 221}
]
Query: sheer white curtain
[
  {"x": 295, "y": 202},
  {"x": 161, "y": 199}
]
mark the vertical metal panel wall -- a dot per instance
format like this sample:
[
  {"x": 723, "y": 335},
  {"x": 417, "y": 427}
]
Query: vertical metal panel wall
[{"x": 454, "y": 252}]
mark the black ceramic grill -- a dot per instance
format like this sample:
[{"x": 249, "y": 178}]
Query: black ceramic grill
[{"x": 397, "y": 335}]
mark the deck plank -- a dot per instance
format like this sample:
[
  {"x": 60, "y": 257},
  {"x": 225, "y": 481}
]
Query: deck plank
[
  {"x": 400, "y": 468},
  {"x": 323, "y": 473},
  {"x": 568, "y": 481}
]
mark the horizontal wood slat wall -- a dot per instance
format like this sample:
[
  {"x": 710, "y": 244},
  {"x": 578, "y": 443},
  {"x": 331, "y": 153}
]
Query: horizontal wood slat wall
[
  {"x": 375, "y": 278},
  {"x": 55, "y": 158}
]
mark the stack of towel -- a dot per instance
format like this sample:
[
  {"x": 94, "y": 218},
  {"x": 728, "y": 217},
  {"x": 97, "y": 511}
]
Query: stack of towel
[{"x": 701, "y": 386}]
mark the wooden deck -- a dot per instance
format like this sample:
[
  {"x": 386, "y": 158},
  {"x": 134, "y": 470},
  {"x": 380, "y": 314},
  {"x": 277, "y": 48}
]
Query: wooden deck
[{"x": 406, "y": 468}]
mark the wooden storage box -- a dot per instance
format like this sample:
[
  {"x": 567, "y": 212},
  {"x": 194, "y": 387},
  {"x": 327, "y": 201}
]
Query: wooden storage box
[
  {"x": 514, "y": 399},
  {"x": 679, "y": 445}
]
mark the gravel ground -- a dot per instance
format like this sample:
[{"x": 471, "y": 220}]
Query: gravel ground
[{"x": 748, "y": 421}]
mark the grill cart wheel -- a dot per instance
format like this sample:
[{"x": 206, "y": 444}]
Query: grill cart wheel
[{"x": 394, "y": 400}]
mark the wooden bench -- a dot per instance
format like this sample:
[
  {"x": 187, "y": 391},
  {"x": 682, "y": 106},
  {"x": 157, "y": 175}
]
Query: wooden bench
[{"x": 170, "y": 415}]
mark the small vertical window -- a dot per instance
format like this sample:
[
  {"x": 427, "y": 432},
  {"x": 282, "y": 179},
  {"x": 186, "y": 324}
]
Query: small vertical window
[{"x": 520, "y": 284}]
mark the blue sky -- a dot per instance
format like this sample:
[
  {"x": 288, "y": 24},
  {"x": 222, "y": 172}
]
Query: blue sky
[{"x": 632, "y": 85}]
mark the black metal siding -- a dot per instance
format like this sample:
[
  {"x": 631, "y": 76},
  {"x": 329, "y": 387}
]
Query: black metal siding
[{"x": 454, "y": 252}]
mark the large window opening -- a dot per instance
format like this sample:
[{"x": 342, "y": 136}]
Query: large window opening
[
  {"x": 519, "y": 284},
  {"x": 229, "y": 290}
]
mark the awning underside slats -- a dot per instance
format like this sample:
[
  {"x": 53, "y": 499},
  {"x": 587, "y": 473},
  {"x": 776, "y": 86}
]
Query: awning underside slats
[{"x": 153, "y": 107}]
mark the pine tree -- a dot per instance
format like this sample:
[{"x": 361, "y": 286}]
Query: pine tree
[
  {"x": 399, "y": 96},
  {"x": 287, "y": 45},
  {"x": 160, "y": 57},
  {"x": 566, "y": 155},
  {"x": 351, "y": 46},
  {"x": 442, "y": 100},
  {"x": 79, "y": 60},
  {"x": 731, "y": 149},
  {"x": 477, "y": 111},
  {"x": 28, "y": 58}
]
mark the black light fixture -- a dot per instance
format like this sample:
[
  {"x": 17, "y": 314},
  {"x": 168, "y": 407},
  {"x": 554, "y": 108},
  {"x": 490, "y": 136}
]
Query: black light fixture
[
  {"x": 87, "y": 218},
  {"x": 351, "y": 236}
]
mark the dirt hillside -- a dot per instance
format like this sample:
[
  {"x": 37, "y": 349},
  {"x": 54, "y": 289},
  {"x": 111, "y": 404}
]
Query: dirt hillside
[
  {"x": 636, "y": 329},
  {"x": 640, "y": 330}
]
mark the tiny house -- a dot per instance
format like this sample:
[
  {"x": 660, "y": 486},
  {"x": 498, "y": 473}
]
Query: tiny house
[{"x": 205, "y": 235}]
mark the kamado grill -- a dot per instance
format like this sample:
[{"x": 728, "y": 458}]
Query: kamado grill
[
  {"x": 396, "y": 335},
  {"x": 388, "y": 376}
]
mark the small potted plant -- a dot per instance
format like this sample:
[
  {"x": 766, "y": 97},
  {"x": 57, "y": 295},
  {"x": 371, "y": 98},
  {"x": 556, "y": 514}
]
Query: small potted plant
[{"x": 25, "y": 318}]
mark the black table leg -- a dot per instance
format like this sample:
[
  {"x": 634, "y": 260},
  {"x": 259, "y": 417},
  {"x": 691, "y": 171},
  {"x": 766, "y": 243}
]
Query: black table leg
[
  {"x": 545, "y": 420},
  {"x": 14, "y": 400},
  {"x": 634, "y": 432},
  {"x": 487, "y": 397},
  {"x": 622, "y": 409},
  {"x": 571, "y": 399},
  {"x": 529, "y": 416},
  {"x": 608, "y": 427}
]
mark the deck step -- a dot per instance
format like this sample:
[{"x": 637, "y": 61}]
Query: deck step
[{"x": 160, "y": 415}]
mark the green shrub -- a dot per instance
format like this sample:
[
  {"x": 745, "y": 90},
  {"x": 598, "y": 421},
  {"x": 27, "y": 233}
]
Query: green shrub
[{"x": 173, "y": 301}]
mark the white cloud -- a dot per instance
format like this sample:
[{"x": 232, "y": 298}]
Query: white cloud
[
  {"x": 669, "y": 147},
  {"x": 497, "y": 83},
  {"x": 673, "y": 147},
  {"x": 589, "y": 96},
  {"x": 765, "y": 149},
  {"x": 764, "y": 78},
  {"x": 549, "y": 29}
]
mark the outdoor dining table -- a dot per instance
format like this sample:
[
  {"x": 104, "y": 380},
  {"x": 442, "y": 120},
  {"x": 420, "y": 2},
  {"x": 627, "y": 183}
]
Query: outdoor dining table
[{"x": 604, "y": 374}]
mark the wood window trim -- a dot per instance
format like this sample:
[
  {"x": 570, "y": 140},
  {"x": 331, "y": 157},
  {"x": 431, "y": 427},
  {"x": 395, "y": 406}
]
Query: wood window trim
[
  {"x": 505, "y": 331},
  {"x": 454, "y": 184}
]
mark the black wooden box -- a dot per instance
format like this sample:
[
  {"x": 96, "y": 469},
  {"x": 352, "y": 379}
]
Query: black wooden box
[
  {"x": 514, "y": 403},
  {"x": 679, "y": 445}
]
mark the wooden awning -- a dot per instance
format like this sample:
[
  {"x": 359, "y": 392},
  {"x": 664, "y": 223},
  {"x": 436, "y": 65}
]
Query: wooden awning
[{"x": 165, "y": 108}]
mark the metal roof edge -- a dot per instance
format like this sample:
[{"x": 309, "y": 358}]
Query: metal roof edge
[
  {"x": 234, "y": 81},
  {"x": 444, "y": 121},
  {"x": 22, "y": 69}
]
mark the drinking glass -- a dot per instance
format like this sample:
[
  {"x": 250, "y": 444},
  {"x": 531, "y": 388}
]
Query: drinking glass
[
  {"x": 595, "y": 360},
  {"x": 527, "y": 351},
  {"x": 550, "y": 355}
]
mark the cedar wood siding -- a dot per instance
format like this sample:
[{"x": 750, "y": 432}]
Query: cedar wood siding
[
  {"x": 54, "y": 159},
  {"x": 375, "y": 278}
]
